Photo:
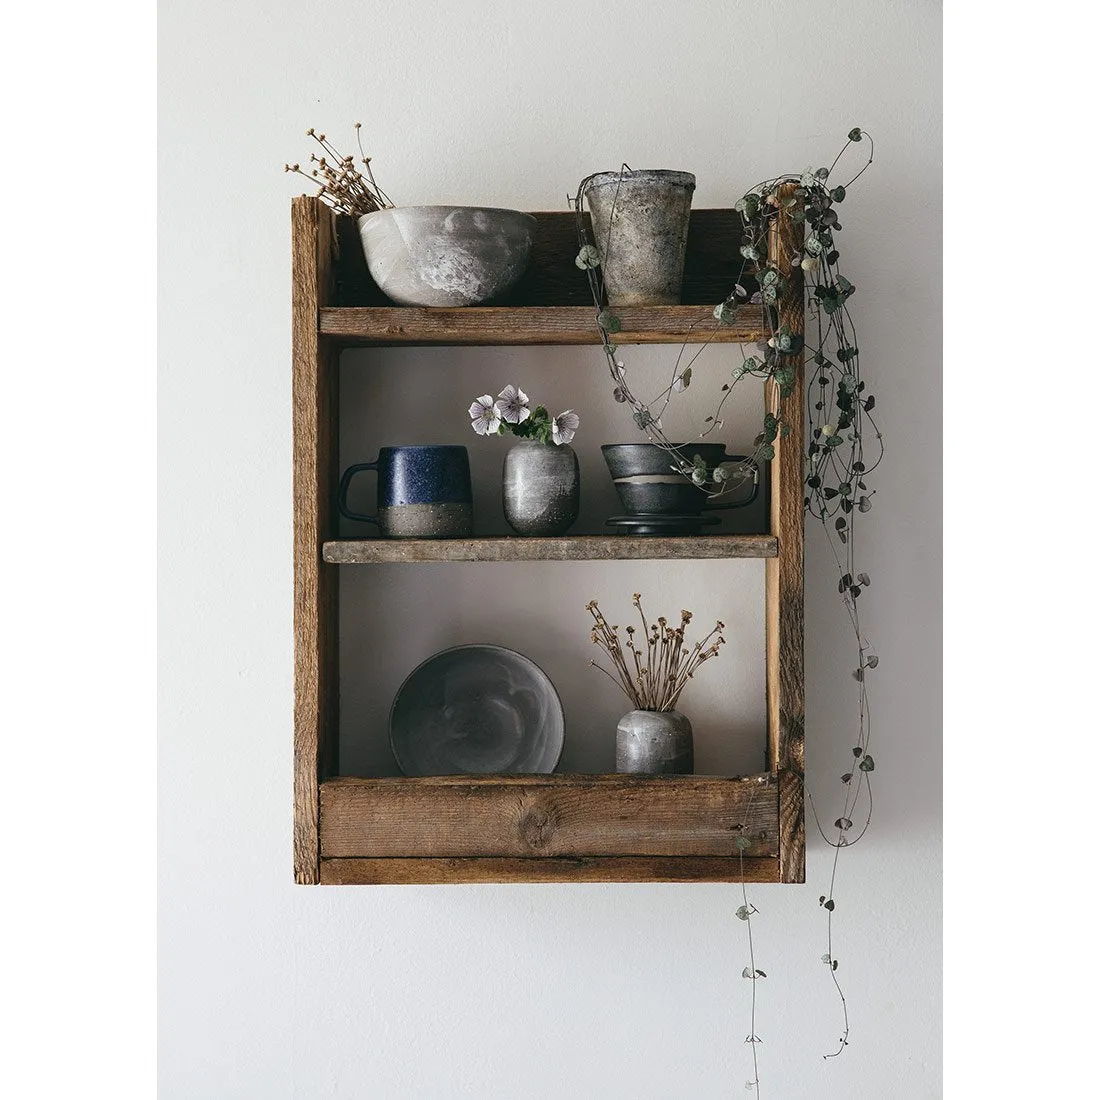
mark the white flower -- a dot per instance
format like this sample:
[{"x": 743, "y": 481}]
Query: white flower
[
  {"x": 828, "y": 430},
  {"x": 483, "y": 413},
  {"x": 511, "y": 405},
  {"x": 564, "y": 426}
]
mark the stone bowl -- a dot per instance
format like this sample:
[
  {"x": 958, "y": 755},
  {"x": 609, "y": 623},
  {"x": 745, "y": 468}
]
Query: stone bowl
[{"x": 446, "y": 255}]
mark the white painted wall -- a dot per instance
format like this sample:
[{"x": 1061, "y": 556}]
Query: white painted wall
[{"x": 628, "y": 991}]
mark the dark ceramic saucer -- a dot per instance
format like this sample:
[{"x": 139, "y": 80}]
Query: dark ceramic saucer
[{"x": 661, "y": 524}]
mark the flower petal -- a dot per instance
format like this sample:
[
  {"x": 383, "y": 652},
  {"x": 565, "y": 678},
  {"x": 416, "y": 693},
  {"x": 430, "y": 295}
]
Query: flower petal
[
  {"x": 511, "y": 405},
  {"x": 481, "y": 406},
  {"x": 564, "y": 426}
]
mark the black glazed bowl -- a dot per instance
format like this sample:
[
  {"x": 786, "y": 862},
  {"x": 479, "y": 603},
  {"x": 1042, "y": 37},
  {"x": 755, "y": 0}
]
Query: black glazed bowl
[{"x": 647, "y": 483}]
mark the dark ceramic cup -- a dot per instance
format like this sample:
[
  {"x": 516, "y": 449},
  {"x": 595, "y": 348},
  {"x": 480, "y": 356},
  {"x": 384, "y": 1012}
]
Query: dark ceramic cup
[
  {"x": 647, "y": 485},
  {"x": 423, "y": 492}
]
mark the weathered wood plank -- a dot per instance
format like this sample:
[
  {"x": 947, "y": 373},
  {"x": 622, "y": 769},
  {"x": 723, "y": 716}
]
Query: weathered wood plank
[
  {"x": 711, "y": 265},
  {"x": 549, "y": 816},
  {"x": 314, "y": 400},
  {"x": 792, "y": 827},
  {"x": 521, "y": 325},
  {"x": 784, "y": 573},
  {"x": 570, "y": 548},
  {"x": 364, "y": 872}
]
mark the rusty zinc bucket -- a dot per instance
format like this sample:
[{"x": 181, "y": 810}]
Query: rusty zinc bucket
[{"x": 647, "y": 212}]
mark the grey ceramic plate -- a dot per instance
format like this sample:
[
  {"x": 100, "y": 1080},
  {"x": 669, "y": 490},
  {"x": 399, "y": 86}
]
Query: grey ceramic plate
[{"x": 475, "y": 710}]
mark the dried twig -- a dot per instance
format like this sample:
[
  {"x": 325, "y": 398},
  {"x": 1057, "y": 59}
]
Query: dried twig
[
  {"x": 658, "y": 683},
  {"x": 340, "y": 184}
]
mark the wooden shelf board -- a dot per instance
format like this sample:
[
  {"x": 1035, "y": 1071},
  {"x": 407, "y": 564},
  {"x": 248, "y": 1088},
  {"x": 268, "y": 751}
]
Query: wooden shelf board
[
  {"x": 567, "y": 548},
  {"x": 515, "y": 325},
  {"x": 550, "y": 817},
  {"x": 423, "y": 872}
]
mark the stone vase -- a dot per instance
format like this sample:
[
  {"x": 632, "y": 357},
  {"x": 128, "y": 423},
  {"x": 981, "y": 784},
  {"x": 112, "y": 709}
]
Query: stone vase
[
  {"x": 654, "y": 742},
  {"x": 542, "y": 488},
  {"x": 640, "y": 226}
]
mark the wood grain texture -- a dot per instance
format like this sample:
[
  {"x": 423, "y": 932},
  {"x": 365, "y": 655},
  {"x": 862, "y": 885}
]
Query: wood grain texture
[
  {"x": 484, "y": 326},
  {"x": 432, "y": 872},
  {"x": 549, "y": 816},
  {"x": 569, "y": 548},
  {"x": 315, "y": 596},
  {"x": 711, "y": 265},
  {"x": 792, "y": 827},
  {"x": 784, "y": 573}
]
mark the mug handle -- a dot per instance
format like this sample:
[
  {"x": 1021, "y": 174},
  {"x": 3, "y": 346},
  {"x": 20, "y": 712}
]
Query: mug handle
[
  {"x": 755, "y": 486},
  {"x": 345, "y": 484}
]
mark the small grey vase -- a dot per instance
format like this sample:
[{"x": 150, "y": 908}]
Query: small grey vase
[
  {"x": 654, "y": 742},
  {"x": 542, "y": 488}
]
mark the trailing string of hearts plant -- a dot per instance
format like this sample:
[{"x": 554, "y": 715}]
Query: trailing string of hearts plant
[{"x": 837, "y": 466}]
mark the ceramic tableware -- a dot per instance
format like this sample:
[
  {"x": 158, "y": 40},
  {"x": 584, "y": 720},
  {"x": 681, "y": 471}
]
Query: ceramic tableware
[
  {"x": 647, "y": 484},
  {"x": 446, "y": 255},
  {"x": 477, "y": 709},
  {"x": 423, "y": 492}
]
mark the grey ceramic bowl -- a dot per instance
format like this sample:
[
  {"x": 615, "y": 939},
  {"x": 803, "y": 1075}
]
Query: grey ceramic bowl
[
  {"x": 477, "y": 710},
  {"x": 446, "y": 255},
  {"x": 647, "y": 484}
]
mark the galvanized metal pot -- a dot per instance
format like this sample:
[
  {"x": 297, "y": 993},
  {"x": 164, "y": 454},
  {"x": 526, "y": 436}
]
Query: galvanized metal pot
[
  {"x": 542, "y": 488},
  {"x": 654, "y": 742},
  {"x": 647, "y": 213}
]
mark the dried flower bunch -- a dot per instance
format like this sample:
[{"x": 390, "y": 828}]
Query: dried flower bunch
[
  {"x": 510, "y": 414},
  {"x": 660, "y": 663},
  {"x": 342, "y": 185}
]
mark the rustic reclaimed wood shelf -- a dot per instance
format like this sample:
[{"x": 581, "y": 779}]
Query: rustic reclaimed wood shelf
[
  {"x": 551, "y": 827},
  {"x": 568, "y": 548},
  {"x": 484, "y": 326},
  {"x": 558, "y": 828}
]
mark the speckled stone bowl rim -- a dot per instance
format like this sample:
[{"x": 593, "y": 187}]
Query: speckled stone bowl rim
[
  {"x": 391, "y": 210},
  {"x": 479, "y": 646}
]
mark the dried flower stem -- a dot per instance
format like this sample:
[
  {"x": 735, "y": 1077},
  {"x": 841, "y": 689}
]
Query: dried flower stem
[
  {"x": 341, "y": 185},
  {"x": 658, "y": 683}
]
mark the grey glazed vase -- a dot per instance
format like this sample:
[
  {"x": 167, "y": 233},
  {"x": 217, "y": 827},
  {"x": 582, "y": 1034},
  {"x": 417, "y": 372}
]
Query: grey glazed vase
[
  {"x": 542, "y": 488},
  {"x": 654, "y": 742}
]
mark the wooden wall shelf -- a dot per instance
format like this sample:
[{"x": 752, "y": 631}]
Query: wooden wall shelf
[
  {"x": 568, "y": 548},
  {"x": 558, "y": 828},
  {"x": 485, "y": 326}
]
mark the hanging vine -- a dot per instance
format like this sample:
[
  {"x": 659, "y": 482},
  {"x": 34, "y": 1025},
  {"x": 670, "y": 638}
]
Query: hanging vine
[{"x": 843, "y": 449}]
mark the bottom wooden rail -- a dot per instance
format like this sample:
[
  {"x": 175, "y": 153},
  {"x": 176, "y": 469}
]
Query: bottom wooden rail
[
  {"x": 362, "y": 872},
  {"x": 551, "y": 817}
]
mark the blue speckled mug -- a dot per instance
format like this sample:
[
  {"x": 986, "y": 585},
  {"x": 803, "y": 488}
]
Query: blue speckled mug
[{"x": 423, "y": 492}]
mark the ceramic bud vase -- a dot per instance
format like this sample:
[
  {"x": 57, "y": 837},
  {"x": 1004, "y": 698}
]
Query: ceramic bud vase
[
  {"x": 542, "y": 488},
  {"x": 654, "y": 742}
]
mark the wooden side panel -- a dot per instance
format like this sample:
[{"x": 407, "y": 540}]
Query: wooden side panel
[
  {"x": 549, "y": 816},
  {"x": 784, "y": 574},
  {"x": 422, "y": 872},
  {"x": 315, "y": 455},
  {"x": 711, "y": 265}
]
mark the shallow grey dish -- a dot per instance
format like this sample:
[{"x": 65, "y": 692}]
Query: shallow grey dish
[
  {"x": 477, "y": 710},
  {"x": 446, "y": 255}
]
